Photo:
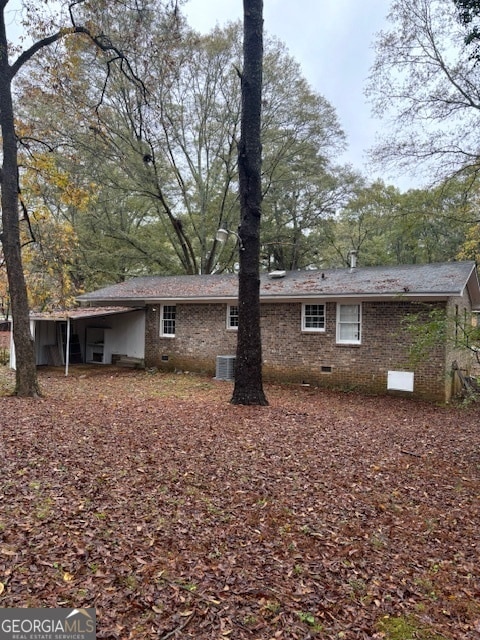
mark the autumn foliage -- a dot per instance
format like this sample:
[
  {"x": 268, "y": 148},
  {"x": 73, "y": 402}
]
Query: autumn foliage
[{"x": 179, "y": 515}]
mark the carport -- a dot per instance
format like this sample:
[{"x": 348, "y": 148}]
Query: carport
[{"x": 95, "y": 335}]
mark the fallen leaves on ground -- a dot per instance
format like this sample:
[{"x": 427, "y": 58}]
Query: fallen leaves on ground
[{"x": 178, "y": 515}]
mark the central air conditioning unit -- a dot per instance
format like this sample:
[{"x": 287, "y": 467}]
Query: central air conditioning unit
[{"x": 225, "y": 369}]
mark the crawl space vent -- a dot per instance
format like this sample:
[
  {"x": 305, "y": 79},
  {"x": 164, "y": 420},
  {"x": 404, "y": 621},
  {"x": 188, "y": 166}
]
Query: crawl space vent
[{"x": 225, "y": 369}]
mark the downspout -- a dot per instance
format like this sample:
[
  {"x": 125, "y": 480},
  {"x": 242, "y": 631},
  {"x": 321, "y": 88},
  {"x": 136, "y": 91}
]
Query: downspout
[{"x": 67, "y": 348}]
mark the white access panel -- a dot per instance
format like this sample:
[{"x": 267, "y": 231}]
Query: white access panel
[{"x": 400, "y": 380}]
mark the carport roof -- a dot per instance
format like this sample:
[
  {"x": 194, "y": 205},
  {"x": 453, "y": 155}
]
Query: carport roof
[
  {"x": 77, "y": 314},
  {"x": 428, "y": 281}
]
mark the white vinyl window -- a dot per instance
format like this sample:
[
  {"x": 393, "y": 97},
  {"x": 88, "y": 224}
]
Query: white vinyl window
[
  {"x": 313, "y": 317},
  {"x": 167, "y": 320},
  {"x": 232, "y": 316},
  {"x": 349, "y": 320}
]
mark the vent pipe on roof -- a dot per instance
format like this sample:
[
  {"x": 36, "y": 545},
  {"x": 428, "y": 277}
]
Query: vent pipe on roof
[{"x": 352, "y": 258}]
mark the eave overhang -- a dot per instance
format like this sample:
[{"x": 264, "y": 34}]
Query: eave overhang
[{"x": 418, "y": 297}]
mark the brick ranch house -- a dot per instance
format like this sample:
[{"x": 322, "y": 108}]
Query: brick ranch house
[{"x": 333, "y": 327}]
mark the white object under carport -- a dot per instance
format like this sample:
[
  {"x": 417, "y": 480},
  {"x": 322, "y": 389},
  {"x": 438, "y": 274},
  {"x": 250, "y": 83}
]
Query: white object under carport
[{"x": 127, "y": 335}]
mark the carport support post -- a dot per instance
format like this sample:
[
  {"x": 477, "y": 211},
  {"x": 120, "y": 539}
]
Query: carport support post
[{"x": 67, "y": 348}]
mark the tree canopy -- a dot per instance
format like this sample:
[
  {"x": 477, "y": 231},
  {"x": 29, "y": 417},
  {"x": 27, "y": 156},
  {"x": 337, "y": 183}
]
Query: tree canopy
[
  {"x": 468, "y": 13},
  {"x": 48, "y": 25},
  {"x": 159, "y": 168},
  {"x": 425, "y": 84}
]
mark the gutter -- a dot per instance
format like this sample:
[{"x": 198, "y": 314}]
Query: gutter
[{"x": 407, "y": 296}]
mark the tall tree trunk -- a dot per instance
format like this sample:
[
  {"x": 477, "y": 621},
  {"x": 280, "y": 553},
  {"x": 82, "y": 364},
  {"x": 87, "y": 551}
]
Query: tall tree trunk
[
  {"x": 26, "y": 371},
  {"x": 248, "y": 388},
  {"x": 27, "y": 383}
]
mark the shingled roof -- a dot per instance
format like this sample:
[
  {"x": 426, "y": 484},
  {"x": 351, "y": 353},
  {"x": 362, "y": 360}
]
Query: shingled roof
[{"x": 428, "y": 281}]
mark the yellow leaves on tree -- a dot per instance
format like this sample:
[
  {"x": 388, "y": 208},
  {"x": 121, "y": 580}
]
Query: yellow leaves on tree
[
  {"x": 51, "y": 198},
  {"x": 48, "y": 263},
  {"x": 44, "y": 175},
  {"x": 470, "y": 249}
]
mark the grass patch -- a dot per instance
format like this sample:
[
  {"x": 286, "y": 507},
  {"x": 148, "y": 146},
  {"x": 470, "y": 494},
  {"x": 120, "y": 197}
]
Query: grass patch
[{"x": 406, "y": 628}]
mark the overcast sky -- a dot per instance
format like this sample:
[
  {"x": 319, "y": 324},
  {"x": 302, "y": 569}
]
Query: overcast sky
[{"x": 333, "y": 42}]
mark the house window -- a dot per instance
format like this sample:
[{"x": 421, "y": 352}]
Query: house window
[
  {"x": 232, "y": 317},
  {"x": 349, "y": 318},
  {"x": 313, "y": 317},
  {"x": 167, "y": 321}
]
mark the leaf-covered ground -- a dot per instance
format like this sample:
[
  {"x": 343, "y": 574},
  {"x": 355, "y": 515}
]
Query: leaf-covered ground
[{"x": 178, "y": 515}]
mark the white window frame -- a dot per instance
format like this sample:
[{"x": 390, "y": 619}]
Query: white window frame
[
  {"x": 230, "y": 316},
  {"x": 316, "y": 303},
  {"x": 163, "y": 320},
  {"x": 358, "y": 323}
]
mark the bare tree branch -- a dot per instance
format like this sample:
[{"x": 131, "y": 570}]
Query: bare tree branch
[{"x": 101, "y": 41}]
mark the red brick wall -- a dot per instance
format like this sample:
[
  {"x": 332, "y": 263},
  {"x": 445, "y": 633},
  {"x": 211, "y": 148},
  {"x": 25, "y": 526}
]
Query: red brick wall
[{"x": 292, "y": 356}]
